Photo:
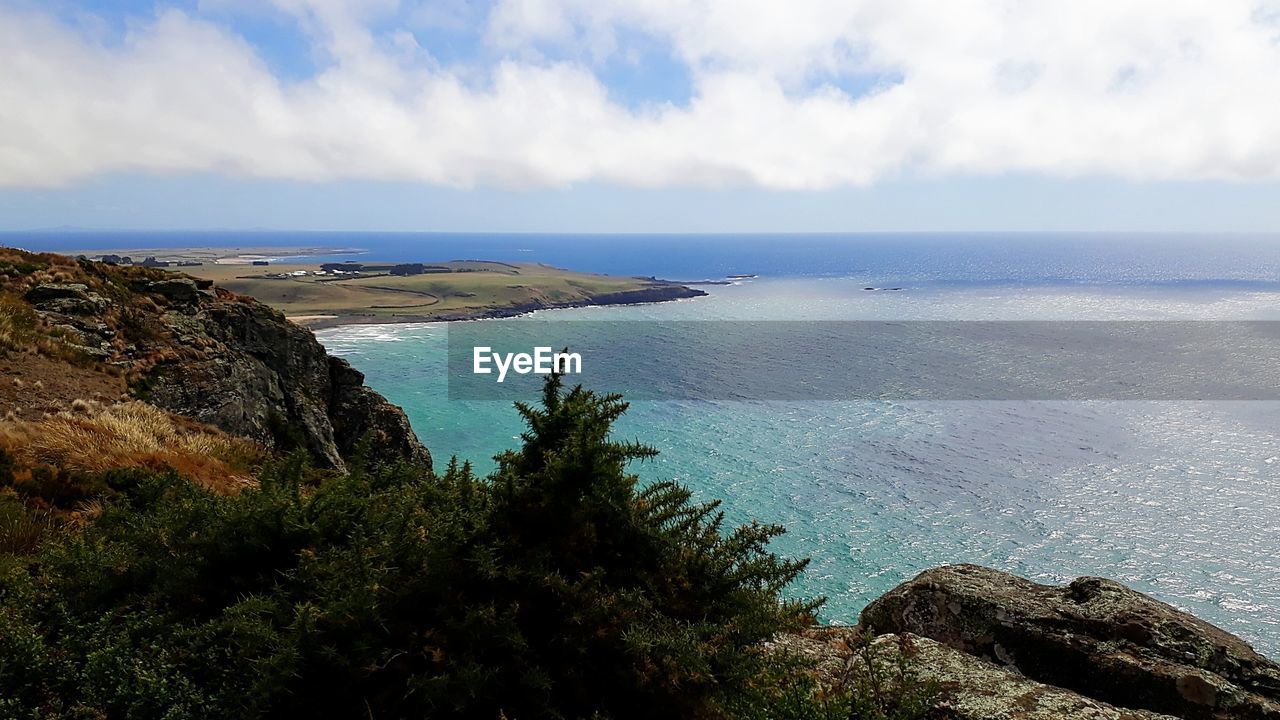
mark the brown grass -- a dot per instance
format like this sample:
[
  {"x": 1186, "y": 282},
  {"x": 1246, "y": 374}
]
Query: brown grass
[
  {"x": 22, "y": 330},
  {"x": 17, "y": 324},
  {"x": 95, "y": 438}
]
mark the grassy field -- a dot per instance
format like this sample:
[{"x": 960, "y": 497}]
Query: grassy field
[{"x": 471, "y": 289}]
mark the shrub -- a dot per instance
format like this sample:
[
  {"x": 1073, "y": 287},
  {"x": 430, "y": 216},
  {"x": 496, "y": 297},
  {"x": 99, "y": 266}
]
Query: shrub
[
  {"x": 881, "y": 683},
  {"x": 558, "y": 587},
  {"x": 57, "y": 488},
  {"x": 875, "y": 679},
  {"x": 21, "y": 530},
  {"x": 14, "y": 265}
]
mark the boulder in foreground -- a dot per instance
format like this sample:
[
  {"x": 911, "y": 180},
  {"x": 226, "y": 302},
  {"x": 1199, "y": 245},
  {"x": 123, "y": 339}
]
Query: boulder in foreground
[
  {"x": 971, "y": 688},
  {"x": 1094, "y": 636}
]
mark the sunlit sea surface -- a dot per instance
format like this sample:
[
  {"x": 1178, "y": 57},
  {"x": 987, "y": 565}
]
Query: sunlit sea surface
[{"x": 1177, "y": 499}]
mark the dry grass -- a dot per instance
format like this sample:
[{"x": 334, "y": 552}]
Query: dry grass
[
  {"x": 21, "y": 530},
  {"x": 21, "y": 330},
  {"x": 17, "y": 324},
  {"x": 94, "y": 438}
]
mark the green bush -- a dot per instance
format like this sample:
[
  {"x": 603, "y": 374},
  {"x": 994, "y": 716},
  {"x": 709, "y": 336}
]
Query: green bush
[
  {"x": 21, "y": 267},
  {"x": 58, "y": 487},
  {"x": 558, "y": 587}
]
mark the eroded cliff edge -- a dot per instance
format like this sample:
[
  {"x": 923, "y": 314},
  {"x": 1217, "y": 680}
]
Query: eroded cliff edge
[{"x": 210, "y": 355}]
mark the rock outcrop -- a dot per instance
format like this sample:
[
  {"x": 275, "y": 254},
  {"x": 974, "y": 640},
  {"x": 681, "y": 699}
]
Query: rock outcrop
[
  {"x": 257, "y": 375},
  {"x": 65, "y": 298},
  {"x": 969, "y": 687},
  {"x": 207, "y": 354},
  {"x": 357, "y": 413},
  {"x": 1094, "y": 637}
]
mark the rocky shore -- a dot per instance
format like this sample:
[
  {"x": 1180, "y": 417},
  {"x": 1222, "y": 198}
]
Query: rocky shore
[
  {"x": 1000, "y": 647},
  {"x": 655, "y": 294}
]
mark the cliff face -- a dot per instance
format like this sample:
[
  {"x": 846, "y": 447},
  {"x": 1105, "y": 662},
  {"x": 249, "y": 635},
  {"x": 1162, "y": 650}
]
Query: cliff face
[
  {"x": 215, "y": 357},
  {"x": 264, "y": 377}
]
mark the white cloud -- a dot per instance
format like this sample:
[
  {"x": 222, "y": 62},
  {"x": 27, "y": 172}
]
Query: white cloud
[{"x": 1145, "y": 89}]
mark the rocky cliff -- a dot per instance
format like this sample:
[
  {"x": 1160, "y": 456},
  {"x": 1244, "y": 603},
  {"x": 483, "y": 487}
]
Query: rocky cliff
[{"x": 212, "y": 356}]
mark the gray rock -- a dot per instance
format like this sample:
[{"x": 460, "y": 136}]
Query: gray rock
[
  {"x": 73, "y": 306},
  {"x": 1094, "y": 636},
  {"x": 257, "y": 375},
  {"x": 70, "y": 332},
  {"x": 65, "y": 299},
  {"x": 176, "y": 289},
  {"x": 360, "y": 415},
  {"x": 96, "y": 353},
  {"x": 970, "y": 688},
  {"x": 57, "y": 291}
]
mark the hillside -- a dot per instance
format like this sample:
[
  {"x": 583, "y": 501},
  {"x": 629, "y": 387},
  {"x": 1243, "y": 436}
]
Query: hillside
[{"x": 79, "y": 330}]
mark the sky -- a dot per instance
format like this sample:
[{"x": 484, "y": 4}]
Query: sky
[{"x": 641, "y": 115}]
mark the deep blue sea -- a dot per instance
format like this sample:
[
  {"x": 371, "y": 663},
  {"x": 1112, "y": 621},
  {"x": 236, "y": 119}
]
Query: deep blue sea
[{"x": 1178, "y": 499}]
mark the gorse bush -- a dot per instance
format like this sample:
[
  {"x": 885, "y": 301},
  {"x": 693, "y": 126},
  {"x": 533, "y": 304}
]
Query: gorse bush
[{"x": 557, "y": 587}]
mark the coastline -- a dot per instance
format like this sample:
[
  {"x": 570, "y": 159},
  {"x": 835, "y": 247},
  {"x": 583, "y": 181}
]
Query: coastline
[{"x": 658, "y": 294}]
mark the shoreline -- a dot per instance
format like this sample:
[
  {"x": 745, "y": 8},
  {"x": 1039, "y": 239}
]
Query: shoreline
[{"x": 671, "y": 293}]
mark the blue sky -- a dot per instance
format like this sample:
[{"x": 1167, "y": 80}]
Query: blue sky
[{"x": 640, "y": 115}]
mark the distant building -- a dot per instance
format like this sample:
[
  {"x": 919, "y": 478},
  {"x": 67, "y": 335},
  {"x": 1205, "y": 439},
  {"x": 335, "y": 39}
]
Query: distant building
[
  {"x": 189, "y": 263},
  {"x": 262, "y": 263},
  {"x": 342, "y": 267}
]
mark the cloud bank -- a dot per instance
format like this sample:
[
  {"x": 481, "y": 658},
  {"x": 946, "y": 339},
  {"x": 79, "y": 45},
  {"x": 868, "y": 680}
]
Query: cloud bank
[{"x": 796, "y": 95}]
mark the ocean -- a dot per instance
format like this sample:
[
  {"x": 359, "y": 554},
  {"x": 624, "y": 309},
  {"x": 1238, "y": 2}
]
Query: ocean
[{"x": 1179, "y": 499}]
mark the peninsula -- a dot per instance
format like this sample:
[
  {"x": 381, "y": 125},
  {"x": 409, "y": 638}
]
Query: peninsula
[{"x": 327, "y": 294}]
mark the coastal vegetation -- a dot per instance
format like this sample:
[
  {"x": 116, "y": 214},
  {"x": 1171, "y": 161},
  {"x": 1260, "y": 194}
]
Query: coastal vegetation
[{"x": 556, "y": 587}]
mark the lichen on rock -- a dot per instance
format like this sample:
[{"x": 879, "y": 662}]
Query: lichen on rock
[{"x": 1094, "y": 636}]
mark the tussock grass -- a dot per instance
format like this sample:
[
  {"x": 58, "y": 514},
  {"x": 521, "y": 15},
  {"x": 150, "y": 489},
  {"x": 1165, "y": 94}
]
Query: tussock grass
[
  {"x": 21, "y": 530},
  {"x": 93, "y": 438},
  {"x": 21, "y": 330},
  {"x": 18, "y": 324}
]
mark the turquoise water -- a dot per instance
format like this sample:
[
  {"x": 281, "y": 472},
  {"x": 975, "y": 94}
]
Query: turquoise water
[{"x": 1178, "y": 499}]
